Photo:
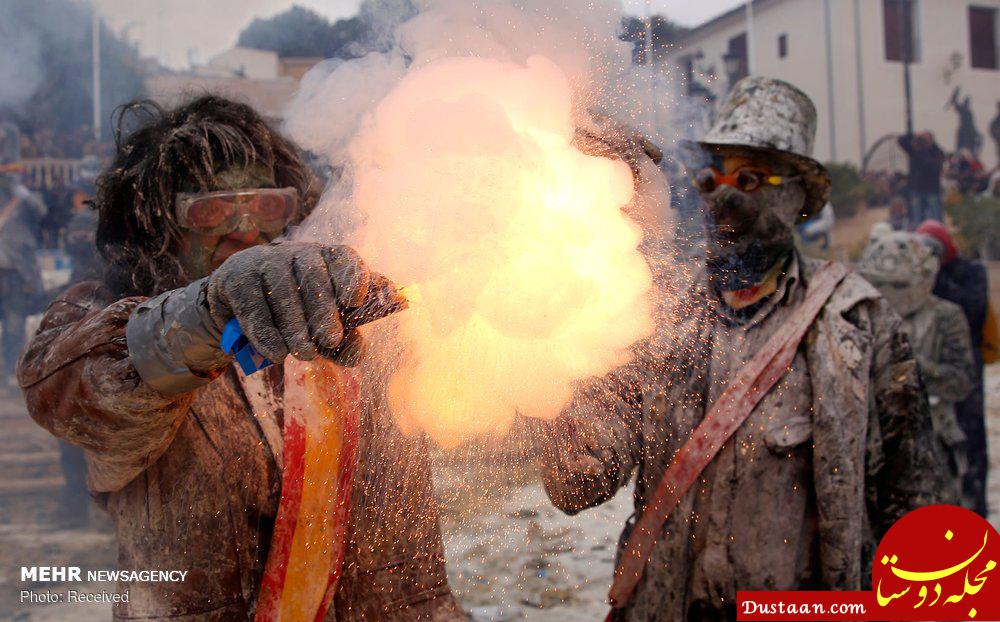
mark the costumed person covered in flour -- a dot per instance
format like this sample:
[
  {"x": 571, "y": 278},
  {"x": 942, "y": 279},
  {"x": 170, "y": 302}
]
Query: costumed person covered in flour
[
  {"x": 823, "y": 434},
  {"x": 205, "y": 469},
  {"x": 965, "y": 282},
  {"x": 904, "y": 266}
]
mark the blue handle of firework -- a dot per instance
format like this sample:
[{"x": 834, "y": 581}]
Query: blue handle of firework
[
  {"x": 383, "y": 299},
  {"x": 234, "y": 342}
]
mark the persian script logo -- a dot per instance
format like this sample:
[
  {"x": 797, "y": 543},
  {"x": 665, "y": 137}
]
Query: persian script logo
[{"x": 938, "y": 563}]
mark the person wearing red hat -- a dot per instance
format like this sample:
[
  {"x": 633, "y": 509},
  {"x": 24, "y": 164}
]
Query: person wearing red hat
[{"x": 965, "y": 282}]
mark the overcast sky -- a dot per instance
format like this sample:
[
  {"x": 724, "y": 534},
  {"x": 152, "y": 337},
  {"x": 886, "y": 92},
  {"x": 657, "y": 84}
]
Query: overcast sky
[{"x": 175, "y": 30}]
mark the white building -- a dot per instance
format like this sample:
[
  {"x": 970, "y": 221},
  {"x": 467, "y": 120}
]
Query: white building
[
  {"x": 258, "y": 77},
  {"x": 846, "y": 54},
  {"x": 245, "y": 63}
]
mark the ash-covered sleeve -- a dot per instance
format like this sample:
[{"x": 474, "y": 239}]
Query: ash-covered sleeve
[
  {"x": 173, "y": 342},
  {"x": 949, "y": 375},
  {"x": 904, "y": 475},
  {"x": 81, "y": 385},
  {"x": 590, "y": 451}
]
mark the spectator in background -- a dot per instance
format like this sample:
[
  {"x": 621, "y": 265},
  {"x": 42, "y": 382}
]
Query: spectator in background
[
  {"x": 80, "y": 245},
  {"x": 995, "y": 130},
  {"x": 967, "y": 137},
  {"x": 81, "y": 229},
  {"x": 684, "y": 200},
  {"x": 899, "y": 213},
  {"x": 992, "y": 189},
  {"x": 59, "y": 199},
  {"x": 885, "y": 185},
  {"x": 818, "y": 229},
  {"x": 20, "y": 280},
  {"x": 968, "y": 173},
  {"x": 903, "y": 266},
  {"x": 926, "y": 161},
  {"x": 965, "y": 283}
]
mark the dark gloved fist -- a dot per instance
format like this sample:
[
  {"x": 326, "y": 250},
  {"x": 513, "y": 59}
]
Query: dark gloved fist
[{"x": 289, "y": 296}]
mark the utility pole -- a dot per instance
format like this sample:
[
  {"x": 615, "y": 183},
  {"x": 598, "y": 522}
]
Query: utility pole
[
  {"x": 650, "y": 66},
  {"x": 159, "y": 33},
  {"x": 95, "y": 48},
  {"x": 906, "y": 19},
  {"x": 830, "y": 100},
  {"x": 750, "y": 45},
  {"x": 858, "y": 57}
]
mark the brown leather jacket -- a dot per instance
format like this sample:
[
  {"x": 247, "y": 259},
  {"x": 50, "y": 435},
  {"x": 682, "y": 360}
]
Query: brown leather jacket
[{"x": 193, "y": 481}]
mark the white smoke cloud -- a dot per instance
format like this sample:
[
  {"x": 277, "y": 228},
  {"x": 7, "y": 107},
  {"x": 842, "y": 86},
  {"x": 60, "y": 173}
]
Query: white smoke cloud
[
  {"x": 461, "y": 178},
  {"x": 334, "y": 98},
  {"x": 21, "y": 70}
]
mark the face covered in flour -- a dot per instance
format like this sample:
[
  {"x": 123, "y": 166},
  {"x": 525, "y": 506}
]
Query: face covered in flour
[
  {"x": 751, "y": 202},
  {"x": 903, "y": 266},
  {"x": 255, "y": 213}
]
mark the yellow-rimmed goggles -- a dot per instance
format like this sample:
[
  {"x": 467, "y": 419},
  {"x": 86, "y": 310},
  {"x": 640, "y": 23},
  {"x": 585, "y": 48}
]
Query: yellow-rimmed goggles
[{"x": 745, "y": 179}]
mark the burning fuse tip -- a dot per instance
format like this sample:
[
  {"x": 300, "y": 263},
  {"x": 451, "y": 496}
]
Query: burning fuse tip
[{"x": 409, "y": 293}]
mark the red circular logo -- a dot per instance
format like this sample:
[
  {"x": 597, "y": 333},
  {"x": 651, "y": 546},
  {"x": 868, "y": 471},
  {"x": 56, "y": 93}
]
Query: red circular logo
[{"x": 938, "y": 563}]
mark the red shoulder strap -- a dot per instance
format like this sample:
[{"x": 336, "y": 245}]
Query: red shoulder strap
[{"x": 733, "y": 407}]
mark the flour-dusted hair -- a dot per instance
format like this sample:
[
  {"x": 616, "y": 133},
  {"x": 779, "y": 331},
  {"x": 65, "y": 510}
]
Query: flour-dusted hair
[{"x": 171, "y": 151}]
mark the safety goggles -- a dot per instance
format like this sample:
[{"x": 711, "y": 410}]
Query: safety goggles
[
  {"x": 745, "y": 179},
  {"x": 220, "y": 213}
]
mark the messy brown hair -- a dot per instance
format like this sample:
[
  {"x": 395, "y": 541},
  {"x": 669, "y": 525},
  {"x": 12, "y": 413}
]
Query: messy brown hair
[{"x": 172, "y": 151}]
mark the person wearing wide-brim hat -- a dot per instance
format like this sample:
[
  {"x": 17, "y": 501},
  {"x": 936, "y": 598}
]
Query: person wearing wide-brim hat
[
  {"x": 837, "y": 448},
  {"x": 772, "y": 118},
  {"x": 757, "y": 175}
]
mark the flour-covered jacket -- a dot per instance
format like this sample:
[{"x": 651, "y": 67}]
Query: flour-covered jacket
[
  {"x": 799, "y": 496},
  {"x": 193, "y": 480},
  {"x": 939, "y": 333}
]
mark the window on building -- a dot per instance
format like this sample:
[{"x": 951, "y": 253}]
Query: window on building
[
  {"x": 983, "y": 37},
  {"x": 901, "y": 30},
  {"x": 738, "y": 63},
  {"x": 782, "y": 46},
  {"x": 687, "y": 73}
]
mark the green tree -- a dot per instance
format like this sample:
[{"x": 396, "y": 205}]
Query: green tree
[
  {"x": 301, "y": 32},
  {"x": 665, "y": 33},
  {"x": 848, "y": 189},
  {"x": 45, "y": 75}
]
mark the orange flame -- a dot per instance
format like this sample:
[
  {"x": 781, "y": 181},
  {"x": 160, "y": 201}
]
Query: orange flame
[{"x": 526, "y": 271}]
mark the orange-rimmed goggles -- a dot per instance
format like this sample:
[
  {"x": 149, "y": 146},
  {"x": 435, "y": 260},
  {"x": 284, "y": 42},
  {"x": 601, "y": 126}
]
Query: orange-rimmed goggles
[
  {"x": 221, "y": 212},
  {"x": 745, "y": 179}
]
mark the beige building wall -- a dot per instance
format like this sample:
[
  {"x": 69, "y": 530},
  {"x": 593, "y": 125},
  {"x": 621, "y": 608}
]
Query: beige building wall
[
  {"x": 269, "y": 97},
  {"x": 943, "y": 33},
  {"x": 247, "y": 63},
  {"x": 259, "y": 78}
]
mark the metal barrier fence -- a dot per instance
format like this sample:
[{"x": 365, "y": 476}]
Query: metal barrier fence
[{"x": 45, "y": 173}]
